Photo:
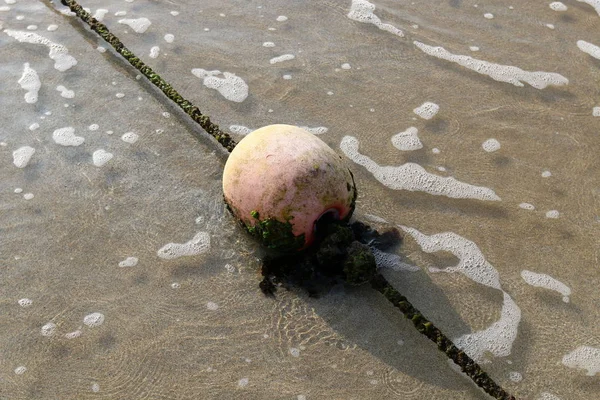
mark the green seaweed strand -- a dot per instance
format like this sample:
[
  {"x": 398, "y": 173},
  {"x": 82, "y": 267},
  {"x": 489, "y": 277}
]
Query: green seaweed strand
[
  {"x": 426, "y": 327},
  {"x": 203, "y": 120}
]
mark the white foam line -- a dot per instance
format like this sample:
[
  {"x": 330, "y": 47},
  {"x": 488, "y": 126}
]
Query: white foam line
[
  {"x": 498, "y": 72},
  {"x": 30, "y": 81},
  {"x": 589, "y": 48},
  {"x": 584, "y": 357},
  {"x": 413, "y": 177},
  {"x": 284, "y": 57},
  {"x": 472, "y": 262},
  {"x": 498, "y": 338},
  {"x": 547, "y": 282},
  {"x": 139, "y": 25},
  {"x": 199, "y": 244},
  {"x": 232, "y": 87},
  {"x": 362, "y": 11},
  {"x": 59, "y": 53}
]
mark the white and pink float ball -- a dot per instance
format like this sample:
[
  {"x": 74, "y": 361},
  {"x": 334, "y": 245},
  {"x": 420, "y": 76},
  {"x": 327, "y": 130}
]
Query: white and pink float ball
[{"x": 280, "y": 180}]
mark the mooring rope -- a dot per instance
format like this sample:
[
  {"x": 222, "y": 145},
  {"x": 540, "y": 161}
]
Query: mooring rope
[
  {"x": 202, "y": 119},
  {"x": 379, "y": 283}
]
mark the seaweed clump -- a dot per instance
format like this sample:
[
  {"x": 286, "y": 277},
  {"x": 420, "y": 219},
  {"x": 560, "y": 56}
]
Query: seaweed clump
[{"x": 341, "y": 253}]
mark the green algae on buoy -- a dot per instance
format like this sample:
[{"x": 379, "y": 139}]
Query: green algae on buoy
[{"x": 280, "y": 180}]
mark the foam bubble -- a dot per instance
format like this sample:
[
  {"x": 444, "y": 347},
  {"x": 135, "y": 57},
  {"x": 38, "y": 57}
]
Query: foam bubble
[
  {"x": 174, "y": 13},
  {"x": 427, "y": 110},
  {"x": 25, "y": 302},
  {"x": 101, "y": 157},
  {"x": 243, "y": 382},
  {"x": 346, "y": 66},
  {"x": 59, "y": 53},
  {"x": 101, "y": 49},
  {"x": 584, "y": 357},
  {"x": 30, "y": 81},
  {"x": 282, "y": 18},
  {"x": 129, "y": 262},
  {"x": 515, "y": 376},
  {"x": 527, "y": 206},
  {"x": 18, "y": 190},
  {"x": 546, "y": 174},
  {"x": 199, "y": 244},
  {"x": 268, "y": 44},
  {"x": 284, "y": 57},
  {"x": 240, "y": 129},
  {"x": 212, "y": 306},
  {"x": 596, "y": 111},
  {"x": 93, "y": 127},
  {"x": 232, "y": 87},
  {"x": 413, "y": 177},
  {"x": 558, "y": 6},
  {"x": 120, "y": 95},
  {"x": 488, "y": 15},
  {"x": 287, "y": 77},
  {"x": 552, "y": 214},
  {"x": 28, "y": 196},
  {"x": 473, "y": 48},
  {"x": 73, "y": 335},
  {"x": 34, "y": 126},
  {"x": 66, "y": 137},
  {"x": 317, "y": 130},
  {"x": 501, "y": 73},
  {"x": 95, "y": 387},
  {"x": 169, "y": 37},
  {"x": 589, "y": 48},
  {"x": 295, "y": 352},
  {"x": 491, "y": 145},
  {"x": 154, "y": 52},
  {"x": 362, "y": 11},
  {"x": 130, "y": 137},
  {"x": 139, "y": 25},
  {"x": 175, "y": 285},
  {"x": 547, "y": 282},
  {"x": 593, "y": 3},
  {"x": 100, "y": 13},
  {"x": 496, "y": 339},
  {"x": 94, "y": 319},
  {"x": 52, "y": 27},
  {"x": 49, "y": 329},
  {"x": 407, "y": 140},
  {"x": 20, "y": 370},
  {"x": 472, "y": 262},
  {"x": 22, "y": 155},
  {"x": 392, "y": 261},
  {"x": 64, "y": 92}
]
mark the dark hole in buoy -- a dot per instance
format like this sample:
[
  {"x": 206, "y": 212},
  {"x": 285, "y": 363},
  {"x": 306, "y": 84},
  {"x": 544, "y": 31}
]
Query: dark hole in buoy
[{"x": 330, "y": 216}]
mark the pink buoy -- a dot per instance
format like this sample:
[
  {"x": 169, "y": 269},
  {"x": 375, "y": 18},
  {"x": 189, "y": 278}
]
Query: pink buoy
[{"x": 280, "y": 179}]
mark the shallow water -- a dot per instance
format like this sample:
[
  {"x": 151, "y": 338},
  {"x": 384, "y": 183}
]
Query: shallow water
[{"x": 124, "y": 277}]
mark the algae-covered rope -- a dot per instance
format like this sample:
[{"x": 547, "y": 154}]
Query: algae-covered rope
[
  {"x": 426, "y": 327},
  {"x": 203, "y": 120}
]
